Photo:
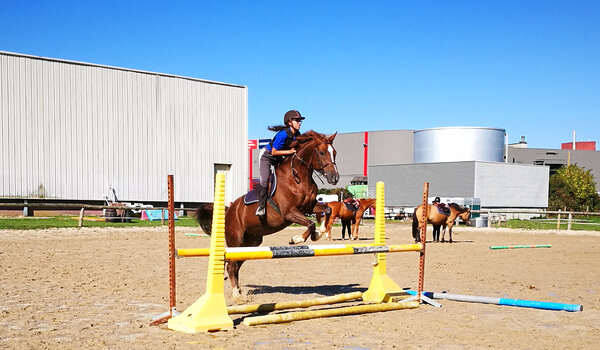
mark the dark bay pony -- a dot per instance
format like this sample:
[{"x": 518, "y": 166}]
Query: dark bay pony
[
  {"x": 296, "y": 195},
  {"x": 338, "y": 209},
  {"x": 438, "y": 219}
]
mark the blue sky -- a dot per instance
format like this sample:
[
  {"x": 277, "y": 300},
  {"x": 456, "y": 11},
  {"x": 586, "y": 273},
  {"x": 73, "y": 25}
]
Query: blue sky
[{"x": 530, "y": 67}]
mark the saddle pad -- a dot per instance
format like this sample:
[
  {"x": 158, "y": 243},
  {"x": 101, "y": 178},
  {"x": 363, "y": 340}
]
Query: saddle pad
[
  {"x": 350, "y": 206},
  {"x": 443, "y": 210},
  {"x": 252, "y": 195}
]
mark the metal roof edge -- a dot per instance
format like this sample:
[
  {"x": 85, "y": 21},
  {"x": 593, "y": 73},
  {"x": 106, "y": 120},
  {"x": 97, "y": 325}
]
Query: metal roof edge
[{"x": 15, "y": 54}]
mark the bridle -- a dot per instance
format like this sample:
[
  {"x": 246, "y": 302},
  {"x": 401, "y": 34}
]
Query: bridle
[
  {"x": 308, "y": 165},
  {"x": 466, "y": 213}
]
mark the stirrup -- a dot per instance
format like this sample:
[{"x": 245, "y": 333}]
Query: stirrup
[{"x": 260, "y": 211}]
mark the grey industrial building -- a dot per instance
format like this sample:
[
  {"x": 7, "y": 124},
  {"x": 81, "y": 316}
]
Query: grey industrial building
[
  {"x": 70, "y": 130},
  {"x": 470, "y": 163}
]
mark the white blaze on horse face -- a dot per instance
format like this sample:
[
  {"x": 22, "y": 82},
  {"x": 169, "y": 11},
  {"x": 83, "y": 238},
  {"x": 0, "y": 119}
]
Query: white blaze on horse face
[{"x": 330, "y": 149}]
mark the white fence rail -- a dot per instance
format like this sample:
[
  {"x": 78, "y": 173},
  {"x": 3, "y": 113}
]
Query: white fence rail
[{"x": 498, "y": 216}]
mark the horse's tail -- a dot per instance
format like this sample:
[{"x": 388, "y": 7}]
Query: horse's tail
[
  {"x": 204, "y": 215},
  {"x": 415, "y": 226}
]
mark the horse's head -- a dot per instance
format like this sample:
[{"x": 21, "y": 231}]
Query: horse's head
[
  {"x": 316, "y": 151},
  {"x": 466, "y": 217}
]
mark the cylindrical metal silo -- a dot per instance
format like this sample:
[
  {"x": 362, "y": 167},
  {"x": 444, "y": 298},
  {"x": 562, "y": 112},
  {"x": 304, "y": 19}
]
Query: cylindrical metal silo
[{"x": 455, "y": 144}]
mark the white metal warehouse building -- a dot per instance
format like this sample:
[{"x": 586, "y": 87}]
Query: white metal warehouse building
[{"x": 69, "y": 130}]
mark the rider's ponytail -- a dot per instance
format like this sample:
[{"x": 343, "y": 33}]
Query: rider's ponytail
[{"x": 277, "y": 128}]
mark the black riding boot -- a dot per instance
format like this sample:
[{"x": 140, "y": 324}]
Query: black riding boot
[{"x": 262, "y": 201}]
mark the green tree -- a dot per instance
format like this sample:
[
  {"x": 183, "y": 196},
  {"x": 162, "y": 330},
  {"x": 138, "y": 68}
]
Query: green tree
[{"x": 573, "y": 187}]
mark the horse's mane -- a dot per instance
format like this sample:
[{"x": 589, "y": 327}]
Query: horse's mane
[
  {"x": 457, "y": 207},
  {"x": 308, "y": 136}
]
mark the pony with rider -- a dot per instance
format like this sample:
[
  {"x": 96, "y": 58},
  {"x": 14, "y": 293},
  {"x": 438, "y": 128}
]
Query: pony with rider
[{"x": 439, "y": 215}]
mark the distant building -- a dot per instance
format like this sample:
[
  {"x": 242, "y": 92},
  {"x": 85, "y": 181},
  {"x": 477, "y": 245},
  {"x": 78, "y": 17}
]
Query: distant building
[
  {"x": 457, "y": 162},
  {"x": 580, "y": 146},
  {"x": 520, "y": 144}
]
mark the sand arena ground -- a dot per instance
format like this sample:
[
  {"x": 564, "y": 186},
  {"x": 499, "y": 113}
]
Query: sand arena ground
[{"x": 99, "y": 288}]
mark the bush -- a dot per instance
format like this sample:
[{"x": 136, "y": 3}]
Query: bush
[{"x": 574, "y": 188}]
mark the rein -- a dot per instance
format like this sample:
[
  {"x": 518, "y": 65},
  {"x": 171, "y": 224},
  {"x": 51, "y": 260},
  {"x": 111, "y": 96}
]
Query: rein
[{"x": 308, "y": 165}]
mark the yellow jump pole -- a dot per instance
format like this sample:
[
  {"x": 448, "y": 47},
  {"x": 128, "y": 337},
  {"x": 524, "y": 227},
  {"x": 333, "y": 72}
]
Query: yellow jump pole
[
  {"x": 258, "y": 253},
  {"x": 246, "y": 309},
  {"x": 382, "y": 287},
  {"x": 350, "y": 310},
  {"x": 209, "y": 313}
]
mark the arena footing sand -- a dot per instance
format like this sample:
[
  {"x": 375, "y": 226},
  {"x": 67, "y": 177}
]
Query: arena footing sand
[{"x": 100, "y": 288}]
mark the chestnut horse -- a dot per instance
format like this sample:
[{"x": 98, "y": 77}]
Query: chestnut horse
[
  {"x": 296, "y": 195},
  {"x": 338, "y": 209},
  {"x": 438, "y": 219}
]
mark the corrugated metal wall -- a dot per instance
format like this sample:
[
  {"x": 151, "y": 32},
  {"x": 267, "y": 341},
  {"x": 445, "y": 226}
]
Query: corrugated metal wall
[{"x": 68, "y": 130}]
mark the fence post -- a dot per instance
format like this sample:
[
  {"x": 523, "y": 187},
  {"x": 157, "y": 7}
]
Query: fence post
[
  {"x": 558, "y": 221},
  {"x": 570, "y": 220},
  {"x": 80, "y": 217}
]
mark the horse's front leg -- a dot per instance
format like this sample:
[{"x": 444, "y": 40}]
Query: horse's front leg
[
  {"x": 323, "y": 212},
  {"x": 443, "y": 233},
  {"x": 233, "y": 267},
  {"x": 450, "y": 233},
  {"x": 295, "y": 216}
]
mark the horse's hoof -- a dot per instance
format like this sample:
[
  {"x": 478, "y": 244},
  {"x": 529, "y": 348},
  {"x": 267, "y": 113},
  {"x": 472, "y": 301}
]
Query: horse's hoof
[
  {"x": 236, "y": 294},
  {"x": 315, "y": 237},
  {"x": 296, "y": 239}
]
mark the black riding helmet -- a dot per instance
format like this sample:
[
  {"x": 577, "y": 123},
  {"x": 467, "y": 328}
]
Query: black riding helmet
[
  {"x": 293, "y": 114},
  {"x": 436, "y": 200}
]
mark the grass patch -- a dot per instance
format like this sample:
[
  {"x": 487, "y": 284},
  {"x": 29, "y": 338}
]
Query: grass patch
[
  {"x": 72, "y": 221},
  {"x": 34, "y": 223},
  {"x": 536, "y": 224}
]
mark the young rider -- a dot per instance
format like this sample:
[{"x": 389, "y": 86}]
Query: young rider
[
  {"x": 274, "y": 153},
  {"x": 353, "y": 202},
  {"x": 442, "y": 206}
]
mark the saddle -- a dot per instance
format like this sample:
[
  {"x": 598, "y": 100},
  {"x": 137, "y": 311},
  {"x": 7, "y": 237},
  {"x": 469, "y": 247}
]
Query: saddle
[
  {"x": 252, "y": 196},
  {"x": 352, "y": 205},
  {"x": 443, "y": 209}
]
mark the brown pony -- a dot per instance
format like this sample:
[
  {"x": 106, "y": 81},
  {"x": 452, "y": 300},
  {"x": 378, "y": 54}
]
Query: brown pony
[
  {"x": 438, "y": 219},
  {"x": 338, "y": 209},
  {"x": 296, "y": 195}
]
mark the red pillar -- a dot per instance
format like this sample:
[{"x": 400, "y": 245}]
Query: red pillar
[
  {"x": 366, "y": 153},
  {"x": 252, "y": 145},
  {"x": 250, "y": 169}
]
